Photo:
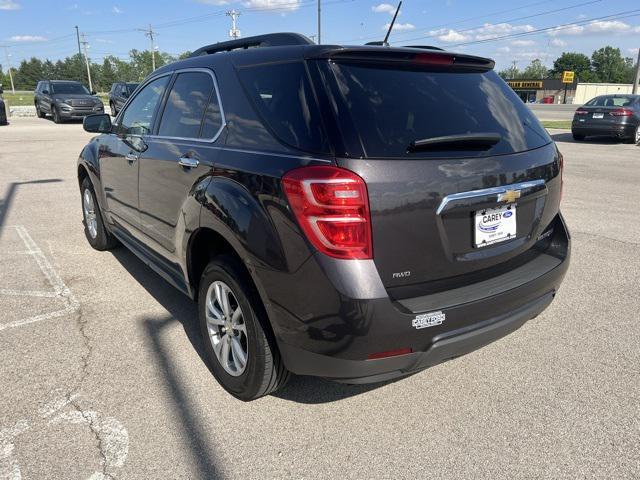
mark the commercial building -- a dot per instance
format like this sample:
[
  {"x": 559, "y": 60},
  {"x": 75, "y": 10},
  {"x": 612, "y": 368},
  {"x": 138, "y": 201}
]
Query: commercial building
[{"x": 549, "y": 90}]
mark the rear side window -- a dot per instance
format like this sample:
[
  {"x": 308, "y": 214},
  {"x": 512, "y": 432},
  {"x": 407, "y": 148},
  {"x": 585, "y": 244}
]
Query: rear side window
[
  {"x": 610, "y": 102},
  {"x": 392, "y": 108},
  {"x": 284, "y": 100},
  {"x": 186, "y": 105}
]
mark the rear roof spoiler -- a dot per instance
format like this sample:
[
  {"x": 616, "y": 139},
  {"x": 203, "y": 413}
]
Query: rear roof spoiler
[
  {"x": 404, "y": 55},
  {"x": 259, "y": 41}
]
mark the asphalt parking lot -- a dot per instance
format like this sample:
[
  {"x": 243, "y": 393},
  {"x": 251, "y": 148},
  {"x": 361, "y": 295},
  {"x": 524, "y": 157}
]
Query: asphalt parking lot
[{"x": 102, "y": 377}]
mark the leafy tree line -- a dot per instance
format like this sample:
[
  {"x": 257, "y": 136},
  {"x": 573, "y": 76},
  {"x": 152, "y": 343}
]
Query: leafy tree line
[
  {"x": 112, "y": 69},
  {"x": 606, "y": 65}
]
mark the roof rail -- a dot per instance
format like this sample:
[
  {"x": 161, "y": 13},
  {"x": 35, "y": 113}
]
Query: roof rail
[{"x": 268, "y": 40}]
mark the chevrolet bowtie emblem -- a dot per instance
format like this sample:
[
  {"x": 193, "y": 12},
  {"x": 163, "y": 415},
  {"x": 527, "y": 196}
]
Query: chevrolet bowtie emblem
[{"x": 509, "y": 196}]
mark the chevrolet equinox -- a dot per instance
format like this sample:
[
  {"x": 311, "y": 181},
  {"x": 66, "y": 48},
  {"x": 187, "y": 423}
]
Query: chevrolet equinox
[{"x": 354, "y": 213}]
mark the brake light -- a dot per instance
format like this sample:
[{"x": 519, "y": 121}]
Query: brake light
[
  {"x": 581, "y": 112},
  {"x": 389, "y": 353},
  {"x": 561, "y": 165},
  {"x": 331, "y": 205},
  {"x": 433, "y": 59},
  {"x": 622, "y": 112}
]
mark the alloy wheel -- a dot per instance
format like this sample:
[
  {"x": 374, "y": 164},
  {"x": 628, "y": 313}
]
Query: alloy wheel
[
  {"x": 89, "y": 210},
  {"x": 227, "y": 329},
  {"x": 637, "y": 137}
]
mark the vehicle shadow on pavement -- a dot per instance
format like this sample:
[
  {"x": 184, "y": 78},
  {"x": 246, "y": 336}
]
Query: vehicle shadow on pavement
[
  {"x": 5, "y": 202},
  {"x": 183, "y": 310},
  {"x": 309, "y": 390}
]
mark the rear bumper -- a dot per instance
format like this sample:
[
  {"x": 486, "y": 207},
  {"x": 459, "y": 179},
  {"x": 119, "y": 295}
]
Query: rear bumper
[
  {"x": 338, "y": 349},
  {"x": 622, "y": 130}
]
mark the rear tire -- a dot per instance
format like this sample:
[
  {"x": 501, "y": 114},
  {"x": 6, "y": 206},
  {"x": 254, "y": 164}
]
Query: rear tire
[
  {"x": 94, "y": 228},
  {"x": 577, "y": 137},
  {"x": 635, "y": 138},
  {"x": 257, "y": 369}
]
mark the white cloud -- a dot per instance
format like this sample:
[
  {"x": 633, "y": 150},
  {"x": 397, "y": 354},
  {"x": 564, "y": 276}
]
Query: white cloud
[
  {"x": 400, "y": 26},
  {"x": 384, "y": 8},
  {"x": 9, "y": 5},
  {"x": 504, "y": 49},
  {"x": 214, "y": 2},
  {"x": 593, "y": 28},
  {"x": 523, "y": 43},
  {"x": 450, "y": 36},
  {"x": 557, "y": 42},
  {"x": 116, "y": 10},
  {"x": 27, "y": 38},
  {"x": 489, "y": 30},
  {"x": 271, "y": 4}
]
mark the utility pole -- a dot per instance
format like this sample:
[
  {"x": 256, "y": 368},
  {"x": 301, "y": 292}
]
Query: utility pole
[
  {"x": 234, "y": 32},
  {"x": 85, "y": 45},
  {"x": 637, "y": 79},
  {"x": 319, "y": 24},
  {"x": 514, "y": 69},
  {"x": 78, "y": 38},
  {"x": 151, "y": 34},
  {"x": 8, "y": 55}
]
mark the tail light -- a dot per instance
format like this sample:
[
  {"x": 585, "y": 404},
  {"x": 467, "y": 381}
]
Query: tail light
[
  {"x": 332, "y": 207},
  {"x": 622, "y": 112},
  {"x": 581, "y": 112},
  {"x": 561, "y": 165},
  {"x": 433, "y": 59}
]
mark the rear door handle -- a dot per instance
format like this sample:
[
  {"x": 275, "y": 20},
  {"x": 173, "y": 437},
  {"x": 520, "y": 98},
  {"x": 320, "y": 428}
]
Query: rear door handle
[
  {"x": 131, "y": 157},
  {"x": 188, "y": 162}
]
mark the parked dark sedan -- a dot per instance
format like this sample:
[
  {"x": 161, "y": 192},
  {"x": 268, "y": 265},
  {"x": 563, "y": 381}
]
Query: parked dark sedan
[
  {"x": 119, "y": 94},
  {"x": 3, "y": 112},
  {"x": 609, "y": 115}
]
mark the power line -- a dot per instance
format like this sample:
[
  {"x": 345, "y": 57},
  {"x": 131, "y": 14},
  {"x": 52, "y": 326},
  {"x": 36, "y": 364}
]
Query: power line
[
  {"x": 525, "y": 17},
  {"x": 564, "y": 26}
]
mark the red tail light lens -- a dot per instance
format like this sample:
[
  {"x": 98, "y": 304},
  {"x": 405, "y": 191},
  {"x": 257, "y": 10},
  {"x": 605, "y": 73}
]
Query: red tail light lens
[
  {"x": 332, "y": 207},
  {"x": 622, "y": 112},
  {"x": 389, "y": 353},
  {"x": 433, "y": 59},
  {"x": 581, "y": 112}
]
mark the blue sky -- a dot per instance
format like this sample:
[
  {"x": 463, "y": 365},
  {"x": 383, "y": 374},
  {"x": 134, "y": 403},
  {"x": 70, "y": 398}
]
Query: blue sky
[{"x": 45, "y": 28}]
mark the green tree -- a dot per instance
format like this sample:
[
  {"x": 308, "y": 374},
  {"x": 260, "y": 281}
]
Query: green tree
[
  {"x": 107, "y": 75},
  {"x": 609, "y": 65},
  {"x": 28, "y": 74},
  {"x": 575, "y": 62},
  {"x": 535, "y": 70}
]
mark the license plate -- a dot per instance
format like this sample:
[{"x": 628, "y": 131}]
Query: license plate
[
  {"x": 598, "y": 115},
  {"x": 495, "y": 225}
]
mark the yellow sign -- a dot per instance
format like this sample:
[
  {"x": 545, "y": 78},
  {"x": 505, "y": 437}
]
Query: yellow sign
[
  {"x": 568, "y": 76},
  {"x": 520, "y": 85}
]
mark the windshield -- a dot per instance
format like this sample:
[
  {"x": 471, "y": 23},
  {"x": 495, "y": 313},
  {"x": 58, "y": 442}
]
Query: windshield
[
  {"x": 69, "y": 89},
  {"x": 392, "y": 108},
  {"x": 610, "y": 101}
]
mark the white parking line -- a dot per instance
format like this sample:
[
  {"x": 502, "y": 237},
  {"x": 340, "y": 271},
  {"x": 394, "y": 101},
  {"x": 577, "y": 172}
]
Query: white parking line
[{"x": 60, "y": 289}]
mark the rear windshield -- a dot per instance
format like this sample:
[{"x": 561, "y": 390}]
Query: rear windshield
[
  {"x": 69, "y": 89},
  {"x": 392, "y": 108},
  {"x": 610, "y": 102}
]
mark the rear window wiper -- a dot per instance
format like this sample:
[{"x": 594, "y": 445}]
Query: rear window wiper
[{"x": 462, "y": 141}]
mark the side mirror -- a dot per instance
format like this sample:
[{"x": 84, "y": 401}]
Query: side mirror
[
  {"x": 45, "y": 92},
  {"x": 99, "y": 123}
]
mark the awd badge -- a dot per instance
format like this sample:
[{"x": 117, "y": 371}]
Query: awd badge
[{"x": 425, "y": 320}]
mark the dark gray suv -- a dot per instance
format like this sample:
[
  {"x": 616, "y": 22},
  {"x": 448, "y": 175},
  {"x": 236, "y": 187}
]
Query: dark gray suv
[
  {"x": 119, "y": 94},
  {"x": 65, "y": 100},
  {"x": 358, "y": 213}
]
